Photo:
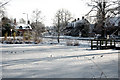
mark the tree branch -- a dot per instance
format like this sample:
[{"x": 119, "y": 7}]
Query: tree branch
[{"x": 4, "y": 3}]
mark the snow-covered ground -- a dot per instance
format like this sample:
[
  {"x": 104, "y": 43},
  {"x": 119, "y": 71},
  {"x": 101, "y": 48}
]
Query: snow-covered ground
[
  {"x": 71, "y": 37},
  {"x": 0, "y": 61},
  {"x": 48, "y": 60}
]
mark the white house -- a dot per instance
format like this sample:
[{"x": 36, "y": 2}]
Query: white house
[{"x": 21, "y": 28}]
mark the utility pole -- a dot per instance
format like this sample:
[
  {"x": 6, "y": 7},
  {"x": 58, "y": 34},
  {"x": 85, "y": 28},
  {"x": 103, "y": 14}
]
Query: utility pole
[
  {"x": 27, "y": 18},
  {"x": 27, "y": 25}
]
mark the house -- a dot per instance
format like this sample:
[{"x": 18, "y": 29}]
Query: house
[
  {"x": 78, "y": 28},
  {"x": 115, "y": 21},
  {"x": 111, "y": 25},
  {"x": 21, "y": 28}
]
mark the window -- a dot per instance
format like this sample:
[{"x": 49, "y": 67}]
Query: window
[{"x": 20, "y": 27}]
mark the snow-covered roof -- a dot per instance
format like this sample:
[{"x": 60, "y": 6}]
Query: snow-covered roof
[
  {"x": 23, "y": 26},
  {"x": 115, "y": 21},
  {"x": 76, "y": 23},
  {"x": 80, "y": 22}
]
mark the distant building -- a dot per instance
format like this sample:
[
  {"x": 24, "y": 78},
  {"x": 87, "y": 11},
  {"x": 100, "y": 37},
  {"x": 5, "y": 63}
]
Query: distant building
[
  {"x": 115, "y": 25},
  {"x": 83, "y": 26},
  {"x": 111, "y": 27},
  {"x": 21, "y": 28},
  {"x": 114, "y": 21},
  {"x": 78, "y": 28},
  {"x": 50, "y": 30}
]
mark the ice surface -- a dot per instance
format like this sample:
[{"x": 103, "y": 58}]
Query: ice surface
[
  {"x": 47, "y": 60},
  {"x": 0, "y": 61}
]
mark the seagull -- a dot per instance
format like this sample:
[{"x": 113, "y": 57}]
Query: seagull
[
  {"x": 93, "y": 57},
  {"x": 101, "y": 56},
  {"x": 77, "y": 56},
  {"x": 50, "y": 55}
]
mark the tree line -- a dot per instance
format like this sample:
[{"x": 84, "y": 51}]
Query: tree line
[
  {"x": 61, "y": 19},
  {"x": 102, "y": 9}
]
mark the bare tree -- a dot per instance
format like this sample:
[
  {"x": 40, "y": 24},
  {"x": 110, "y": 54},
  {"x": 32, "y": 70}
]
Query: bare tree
[
  {"x": 62, "y": 17},
  {"x": 104, "y": 10},
  {"x": 3, "y": 4},
  {"x": 22, "y": 21},
  {"x": 2, "y": 7},
  {"x": 2, "y": 13},
  {"x": 37, "y": 24}
]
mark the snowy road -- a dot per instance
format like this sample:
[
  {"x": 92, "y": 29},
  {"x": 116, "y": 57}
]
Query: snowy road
[{"x": 57, "y": 61}]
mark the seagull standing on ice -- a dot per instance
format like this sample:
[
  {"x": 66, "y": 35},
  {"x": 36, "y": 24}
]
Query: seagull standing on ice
[
  {"x": 93, "y": 57},
  {"x": 101, "y": 56}
]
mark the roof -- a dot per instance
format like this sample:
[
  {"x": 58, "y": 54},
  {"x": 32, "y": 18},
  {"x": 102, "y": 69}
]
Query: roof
[
  {"x": 23, "y": 26},
  {"x": 115, "y": 21},
  {"x": 78, "y": 22}
]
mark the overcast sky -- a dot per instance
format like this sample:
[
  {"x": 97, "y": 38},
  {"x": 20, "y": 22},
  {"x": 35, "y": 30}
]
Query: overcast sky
[{"x": 16, "y": 8}]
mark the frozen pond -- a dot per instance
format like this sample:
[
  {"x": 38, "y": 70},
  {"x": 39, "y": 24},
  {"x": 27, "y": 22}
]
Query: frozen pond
[{"x": 58, "y": 61}]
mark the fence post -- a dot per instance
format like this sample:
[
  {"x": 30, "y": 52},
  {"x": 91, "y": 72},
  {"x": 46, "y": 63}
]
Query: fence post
[
  {"x": 114, "y": 43},
  {"x": 106, "y": 43},
  {"x": 91, "y": 44},
  {"x": 97, "y": 44},
  {"x": 100, "y": 44},
  {"x": 110, "y": 42}
]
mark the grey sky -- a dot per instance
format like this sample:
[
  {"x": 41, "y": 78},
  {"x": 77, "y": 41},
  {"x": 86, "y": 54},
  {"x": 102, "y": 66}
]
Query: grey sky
[{"x": 15, "y": 8}]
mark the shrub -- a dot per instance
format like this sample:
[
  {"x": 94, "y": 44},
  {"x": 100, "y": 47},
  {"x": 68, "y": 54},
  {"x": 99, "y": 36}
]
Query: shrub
[
  {"x": 69, "y": 43},
  {"x": 76, "y": 43}
]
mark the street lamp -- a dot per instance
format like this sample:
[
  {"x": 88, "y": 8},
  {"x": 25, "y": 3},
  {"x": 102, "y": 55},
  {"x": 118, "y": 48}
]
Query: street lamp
[
  {"x": 11, "y": 31},
  {"x": 27, "y": 23},
  {"x": 27, "y": 17}
]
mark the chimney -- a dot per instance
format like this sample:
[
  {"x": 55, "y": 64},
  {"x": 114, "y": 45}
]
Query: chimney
[
  {"x": 75, "y": 20},
  {"x": 28, "y": 22},
  {"x": 15, "y": 21},
  {"x": 82, "y": 17}
]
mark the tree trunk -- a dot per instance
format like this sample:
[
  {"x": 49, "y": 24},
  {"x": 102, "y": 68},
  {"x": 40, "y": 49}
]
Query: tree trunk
[{"x": 58, "y": 39}]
